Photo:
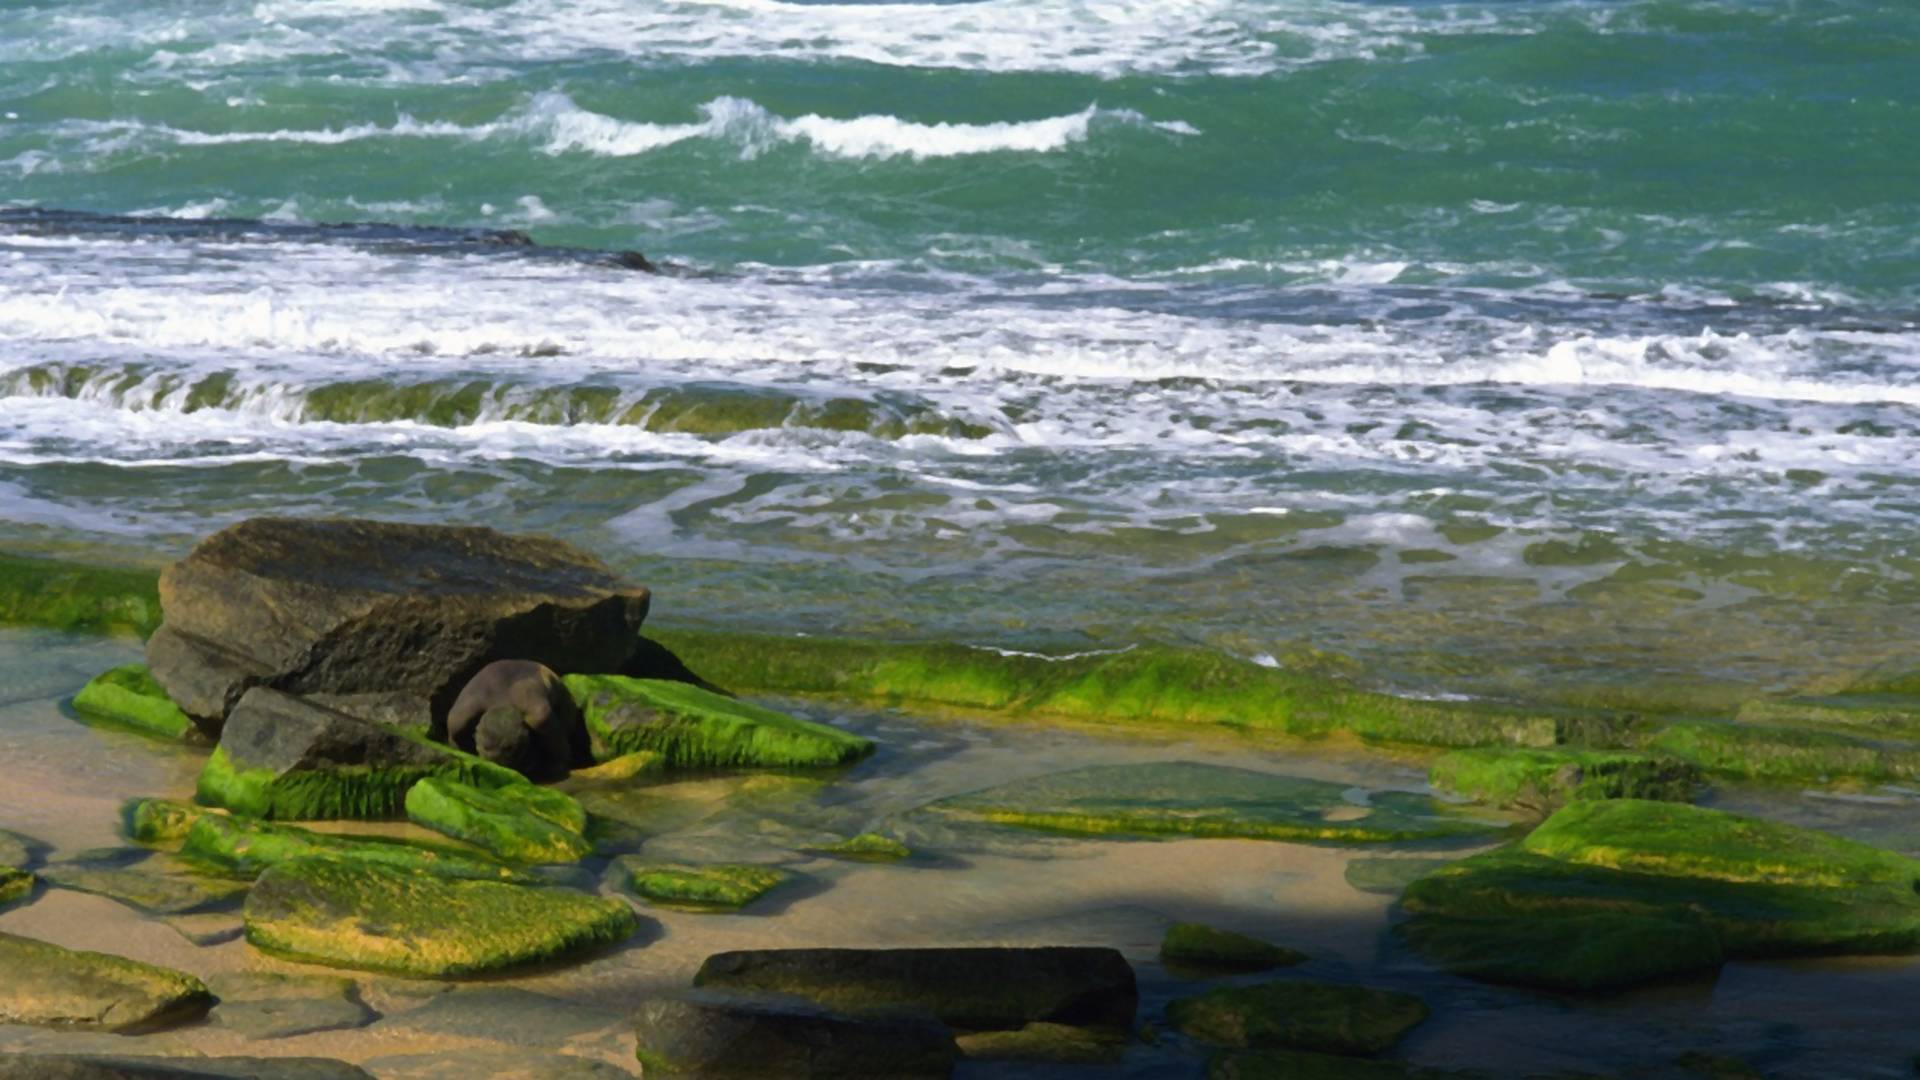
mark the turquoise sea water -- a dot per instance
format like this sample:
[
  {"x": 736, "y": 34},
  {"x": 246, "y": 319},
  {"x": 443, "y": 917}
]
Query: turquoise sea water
[{"x": 1498, "y": 345}]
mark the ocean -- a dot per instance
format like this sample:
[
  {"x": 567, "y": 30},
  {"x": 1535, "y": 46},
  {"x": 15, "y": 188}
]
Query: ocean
[{"x": 1546, "y": 348}]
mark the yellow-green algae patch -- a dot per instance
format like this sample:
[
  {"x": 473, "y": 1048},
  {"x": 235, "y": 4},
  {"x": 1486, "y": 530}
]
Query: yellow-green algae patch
[
  {"x": 75, "y": 597},
  {"x": 47, "y": 984},
  {"x": 243, "y": 847},
  {"x": 1057, "y": 1044},
  {"x": 355, "y": 914},
  {"x": 1772, "y": 753},
  {"x": 1147, "y": 685},
  {"x": 700, "y": 887},
  {"x": 1673, "y": 886},
  {"x": 1185, "y": 798},
  {"x": 518, "y": 822},
  {"x": 695, "y": 728},
  {"x": 1544, "y": 779},
  {"x": 1323, "y": 1017},
  {"x": 129, "y": 696},
  {"x": 1201, "y": 946},
  {"x": 158, "y": 821},
  {"x": 866, "y": 847},
  {"x": 343, "y": 792},
  {"x": 625, "y": 767},
  {"x": 15, "y": 884}
]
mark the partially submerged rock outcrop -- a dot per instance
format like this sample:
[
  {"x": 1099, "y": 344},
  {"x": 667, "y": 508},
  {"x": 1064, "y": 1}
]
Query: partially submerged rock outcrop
[
  {"x": 129, "y": 696},
  {"x": 698, "y": 887},
  {"x": 1322, "y": 1017},
  {"x": 1545, "y": 780},
  {"x": 48, "y": 984},
  {"x": 720, "y": 1039},
  {"x": 345, "y": 606},
  {"x": 520, "y": 823},
  {"x": 694, "y": 728},
  {"x": 355, "y": 914},
  {"x": 1207, "y": 948}
]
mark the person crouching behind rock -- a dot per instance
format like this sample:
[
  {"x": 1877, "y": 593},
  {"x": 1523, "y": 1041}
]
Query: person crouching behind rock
[{"x": 518, "y": 713}]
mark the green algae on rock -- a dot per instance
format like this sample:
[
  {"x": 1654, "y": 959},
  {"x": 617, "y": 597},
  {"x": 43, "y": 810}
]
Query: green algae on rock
[
  {"x": 284, "y": 757},
  {"x": 15, "y": 885},
  {"x": 51, "y": 985},
  {"x": 1787, "y": 754},
  {"x": 356, "y": 914},
  {"x": 1201, "y": 946},
  {"x": 699, "y": 887},
  {"x": 1388, "y": 877},
  {"x": 521, "y": 823},
  {"x": 1719, "y": 882},
  {"x": 154, "y": 892},
  {"x": 1542, "y": 780},
  {"x": 158, "y": 821},
  {"x": 1058, "y": 1044},
  {"x": 75, "y": 597},
  {"x": 1184, "y": 798},
  {"x": 968, "y": 988},
  {"x": 1324, "y": 1017},
  {"x": 129, "y": 697},
  {"x": 695, "y": 728},
  {"x": 866, "y": 847},
  {"x": 1147, "y": 685},
  {"x": 244, "y": 847},
  {"x": 625, "y": 767}
]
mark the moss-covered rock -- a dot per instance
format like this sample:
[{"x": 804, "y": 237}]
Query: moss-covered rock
[
  {"x": 695, "y": 728},
  {"x": 866, "y": 847},
  {"x": 157, "y": 821},
  {"x": 517, "y": 822},
  {"x": 128, "y": 697},
  {"x": 972, "y": 989},
  {"x": 699, "y": 887},
  {"x": 76, "y": 597},
  {"x": 1323, "y": 1017},
  {"x": 147, "y": 887},
  {"x": 284, "y": 757},
  {"x": 197, "y": 1067},
  {"x": 1058, "y": 1044},
  {"x": 355, "y": 914},
  {"x": 696, "y": 1035},
  {"x": 243, "y": 847},
  {"x": 1184, "y": 798},
  {"x": 15, "y": 885},
  {"x": 623, "y": 768},
  {"x": 1388, "y": 877},
  {"x": 1761, "y": 888},
  {"x": 1147, "y": 685},
  {"x": 1543, "y": 780},
  {"x": 1200, "y": 946},
  {"x": 1776, "y": 754},
  {"x": 47, "y": 984},
  {"x": 1881, "y": 716}
]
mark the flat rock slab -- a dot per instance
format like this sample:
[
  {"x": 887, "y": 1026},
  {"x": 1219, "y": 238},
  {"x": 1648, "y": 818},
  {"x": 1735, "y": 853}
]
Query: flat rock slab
[
  {"x": 1321, "y": 1017},
  {"x": 722, "y": 1039},
  {"x": 269, "y": 1006},
  {"x": 983, "y": 988},
  {"x": 118, "y": 1067},
  {"x": 495, "y": 1064},
  {"x": 698, "y": 886},
  {"x": 694, "y": 728},
  {"x": 243, "y": 848},
  {"x": 50, "y": 985},
  {"x": 129, "y": 697},
  {"x": 521, "y": 823},
  {"x": 354, "y": 607},
  {"x": 505, "y": 1014},
  {"x": 147, "y": 888},
  {"x": 355, "y": 914},
  {"x": 1184, "y": 798}
]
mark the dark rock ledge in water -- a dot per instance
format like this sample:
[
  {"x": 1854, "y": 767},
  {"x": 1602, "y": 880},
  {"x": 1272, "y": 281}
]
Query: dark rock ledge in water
[{"x": 136, "y": 1067}]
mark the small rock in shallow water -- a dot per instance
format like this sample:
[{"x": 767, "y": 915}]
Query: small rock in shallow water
[
  {"x": 48, "y": 984},
  {"x": 1200, "y": 946},
  {"x": 694, "y": 728},
  {"x": 720, "y": 1039},
  {"x": 119, "y": 1067},
  {"x": 267, "y": 1006},
  {"x": 1323, "y": 1017}
]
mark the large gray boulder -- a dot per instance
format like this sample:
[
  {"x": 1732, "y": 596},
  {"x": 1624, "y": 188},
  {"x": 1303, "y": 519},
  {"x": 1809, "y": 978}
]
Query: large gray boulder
[
  {"x": 349, "y": 607},
  {"x": 968, "y": 988},
  {"x": 719, "y": 1039}
]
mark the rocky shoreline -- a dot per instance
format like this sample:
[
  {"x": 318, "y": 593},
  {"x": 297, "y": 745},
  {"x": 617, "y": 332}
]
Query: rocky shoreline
[{"x": 322, "y": 661}]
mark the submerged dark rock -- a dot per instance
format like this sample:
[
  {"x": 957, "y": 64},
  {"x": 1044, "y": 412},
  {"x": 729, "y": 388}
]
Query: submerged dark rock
[
  {"x": 366, "y": 607},
  {"x": 519, "y": 714},
  {"x": 710, "y": 1037},
  {"x": 970, "y": 988},
  {"x": 131, "y": 1067}
]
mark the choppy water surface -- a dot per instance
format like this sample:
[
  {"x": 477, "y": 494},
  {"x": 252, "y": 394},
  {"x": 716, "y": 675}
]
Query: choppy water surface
[{"x": 1499, "y": 344}]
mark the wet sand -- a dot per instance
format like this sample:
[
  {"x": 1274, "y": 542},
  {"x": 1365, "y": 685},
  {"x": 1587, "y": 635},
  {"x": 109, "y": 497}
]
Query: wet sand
[{"x": 64, "y": 783}]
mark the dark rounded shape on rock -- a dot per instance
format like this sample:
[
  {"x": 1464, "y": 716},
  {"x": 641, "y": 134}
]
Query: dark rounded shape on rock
[
  {"x": 974, "y": 989},
  {"x": 340, "y": 606},
  {"x": 720, "y": 1039},
  {"x": 519, "y": 714}
]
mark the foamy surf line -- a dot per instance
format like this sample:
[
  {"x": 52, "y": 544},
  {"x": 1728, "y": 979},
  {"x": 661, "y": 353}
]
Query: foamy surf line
[{"x": 559, "y": 126}]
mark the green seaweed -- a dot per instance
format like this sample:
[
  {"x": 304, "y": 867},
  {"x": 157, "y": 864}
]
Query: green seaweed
[
  {"x": 345, "y": 792},
  {"x": 1323, "y": 1017},
  {"x": 1183, "y": 798},
  {"x": 1545, "y": 779},
  {"x": 129, "y": 696},
  {"x": 157, "y": 821},
  {"x": 15, "y": 884},
  {"x": 695, "y": 728},
  {"x": 517, "y": 822},
  {"x": 52, "y": 985},
  {"x": 1786, "y": 754},
  {"x": 1147, "y": 685},
  {"x": 1200, "y": 946},
  {"x": 1592, "y": 952},
  {"x": 242, "y": 848},
  {"x": 75, "y": 597},
  {"x": 866, "y": 847},
  {"x": 356, "y": 914},
  {"x": 699, "y": 887}
]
